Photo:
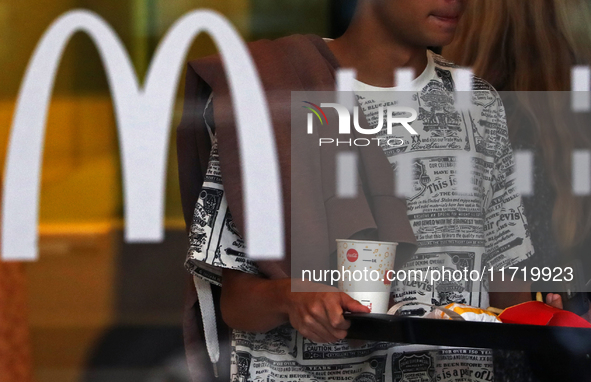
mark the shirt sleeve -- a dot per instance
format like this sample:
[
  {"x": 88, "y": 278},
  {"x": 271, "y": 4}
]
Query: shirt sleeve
[
  {"x": 214, "y": 241},
  {"x": 507, "y": 236}
]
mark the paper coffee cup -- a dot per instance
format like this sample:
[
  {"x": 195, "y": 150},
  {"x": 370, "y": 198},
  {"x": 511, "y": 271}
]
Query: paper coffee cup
[{"x": 364, "y": 266}]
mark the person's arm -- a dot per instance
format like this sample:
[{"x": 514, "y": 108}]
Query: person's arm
[
  {"x": 255, "y": 304},
  {"x": 504, "y": 300}
]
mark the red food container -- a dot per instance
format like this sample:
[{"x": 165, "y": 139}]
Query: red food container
[{"x": 538, "y": 313}]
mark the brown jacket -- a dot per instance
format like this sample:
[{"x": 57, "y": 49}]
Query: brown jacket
[{"x": 314, "y": 217}]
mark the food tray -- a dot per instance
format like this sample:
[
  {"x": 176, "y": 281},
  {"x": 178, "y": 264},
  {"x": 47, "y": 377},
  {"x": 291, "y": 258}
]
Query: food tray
[{"x": 412, "y": 330}]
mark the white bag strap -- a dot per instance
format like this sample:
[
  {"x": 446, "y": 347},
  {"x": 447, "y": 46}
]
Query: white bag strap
[{"x": 209, "y": 324}]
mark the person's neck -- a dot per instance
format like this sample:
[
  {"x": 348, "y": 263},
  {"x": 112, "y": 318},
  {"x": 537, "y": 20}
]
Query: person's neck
[{"x": 375, "y": 52}]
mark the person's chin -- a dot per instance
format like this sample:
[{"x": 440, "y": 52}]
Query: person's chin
[{"x": 441, "y": 39}]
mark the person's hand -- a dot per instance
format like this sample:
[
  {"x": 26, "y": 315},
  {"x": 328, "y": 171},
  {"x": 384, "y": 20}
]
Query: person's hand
[
  {"x": 554, "y": 300},
  {"x": 318, "y": 316}
]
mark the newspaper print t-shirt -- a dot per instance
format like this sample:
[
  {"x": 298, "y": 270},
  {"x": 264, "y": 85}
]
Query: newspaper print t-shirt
[
  {"x": 214, "y": 240},
  {"x": 476, "y": 229},
  {"x": 483, "y": 228}
]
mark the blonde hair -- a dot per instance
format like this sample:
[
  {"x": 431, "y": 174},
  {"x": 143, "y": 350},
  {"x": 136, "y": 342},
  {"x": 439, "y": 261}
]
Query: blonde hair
[{"x": 531, "y": 45}]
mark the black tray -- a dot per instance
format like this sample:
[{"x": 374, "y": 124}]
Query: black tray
[{"x": 409, "y": 330}]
